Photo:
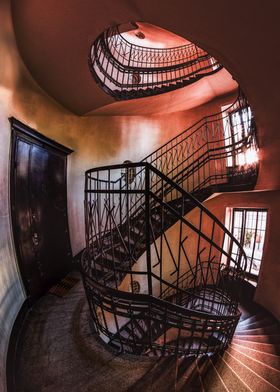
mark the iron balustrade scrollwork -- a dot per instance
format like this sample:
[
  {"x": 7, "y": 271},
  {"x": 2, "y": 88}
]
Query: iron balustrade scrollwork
[
  {"x": 127, "y": 71},
  {"x": 136, "y": 231}
]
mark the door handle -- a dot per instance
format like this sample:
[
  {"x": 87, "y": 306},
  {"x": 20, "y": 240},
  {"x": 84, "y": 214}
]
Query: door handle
[{"x": 35, "y": 239}]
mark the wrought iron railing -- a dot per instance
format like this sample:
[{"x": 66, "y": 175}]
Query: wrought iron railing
[
  {"x": 137, "y": 232},
  {"x": 219, "y": 151},
  {"x": 157, "y": 280},
  {"x": 126, "y": 71}
]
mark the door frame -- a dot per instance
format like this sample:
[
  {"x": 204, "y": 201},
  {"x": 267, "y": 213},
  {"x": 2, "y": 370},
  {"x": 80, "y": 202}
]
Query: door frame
[{"x": 22, "y": 131}]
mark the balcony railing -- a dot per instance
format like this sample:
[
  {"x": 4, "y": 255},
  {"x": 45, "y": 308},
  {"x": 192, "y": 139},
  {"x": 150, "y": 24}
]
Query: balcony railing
[{"x": 127, "y": 71}]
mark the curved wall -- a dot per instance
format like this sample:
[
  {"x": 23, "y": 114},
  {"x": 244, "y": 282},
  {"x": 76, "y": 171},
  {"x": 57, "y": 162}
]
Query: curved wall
[
  {"x": 241, "y": 35},
  {"x": 95, "y": 140},
  {"x": 107, "y": 140}
]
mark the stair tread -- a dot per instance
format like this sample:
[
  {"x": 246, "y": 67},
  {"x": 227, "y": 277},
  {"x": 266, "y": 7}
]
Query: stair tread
[
  {"x": 212, "y": 381},
  {"x": 187, "y": 374},
  {"x": 263, "y": 347},
  {"x": 248, "y": 376},
  {"x": 271, "y": 329},
  {"x": 260, "y": 338},
  {"x": 196, "y": 379},
  {"x": 265, "y": 322},
  {"x": 231, "y": 379},
  {"x": 269, "y": 359},
  {"x": 266, "y": 372},
  {"x": 252, "y": 318}
]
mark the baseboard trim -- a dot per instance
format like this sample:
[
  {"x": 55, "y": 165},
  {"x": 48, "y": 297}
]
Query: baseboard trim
[{"x": 13, "y": 343}]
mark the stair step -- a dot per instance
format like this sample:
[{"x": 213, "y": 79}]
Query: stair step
[
  {"x": 126, "y": 332},
  {"x": 265, "y": 322},
  {"x": 120, "y": 253},
  {"x": 188, "y": 375},
  {"x": 132, "y": 238},
  {"x": 139, "y": 328},
  {"x": 263, "y": 347},
  {"x": 271, "y": 329},
  {"x": 212, "y": 381},
  {"x": 248, "y": 376},
  {"x": 231, "y": 379},
  {"x": 268, "y": 373},
  {"x": 271, "y": 360},
  {"x": 248, "y": 319},
  {"x": 259, "y": 338}
]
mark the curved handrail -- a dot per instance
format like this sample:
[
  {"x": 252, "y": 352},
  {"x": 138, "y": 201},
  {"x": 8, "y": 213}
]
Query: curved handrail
[
  {"x": 197, "y": 125},
  {"x": 213, "y": 137},
  {"x": 142, "y": 53},
  {"x": 137, "y": 229},
  {"x": 156, "y": 318},
  {"x": 125, "y": 70},
  {"x": 193, "y": 169},
  {"x": 184, "y": 195},
  {"x": 130, "y": 297},
  {"x": 116, "y": 30},
  {"x": 110, "y": 229}
]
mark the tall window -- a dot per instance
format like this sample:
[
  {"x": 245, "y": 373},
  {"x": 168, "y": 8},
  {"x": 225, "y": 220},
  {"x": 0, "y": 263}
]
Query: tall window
[
  {"x": 248, "y": 227},
  {"x": 237, "y": 126}
]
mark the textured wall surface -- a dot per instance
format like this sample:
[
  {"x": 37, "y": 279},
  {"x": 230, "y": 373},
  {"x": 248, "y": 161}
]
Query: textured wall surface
[
  {"x": 95, "y": 140},
  {"x": 268, "y": 286},
  {"x": 267, "y": 292},
  {"x": 107, "y": 140}
]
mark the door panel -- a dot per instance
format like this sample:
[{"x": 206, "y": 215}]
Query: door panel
[{"x": 39, "y": 211}]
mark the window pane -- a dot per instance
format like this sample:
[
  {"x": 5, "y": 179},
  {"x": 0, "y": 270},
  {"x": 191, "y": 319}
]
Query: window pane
[{"x": 249, "y": 229}]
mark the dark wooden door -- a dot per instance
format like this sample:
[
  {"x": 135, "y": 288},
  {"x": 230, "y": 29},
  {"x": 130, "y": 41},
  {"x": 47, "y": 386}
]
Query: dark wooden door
[{"x": 39, "y": 209}]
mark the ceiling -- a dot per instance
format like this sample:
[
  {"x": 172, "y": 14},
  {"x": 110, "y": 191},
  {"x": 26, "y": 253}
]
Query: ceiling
[{"x": 54, "y": 38}]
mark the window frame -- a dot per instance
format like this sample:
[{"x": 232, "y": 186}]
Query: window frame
[{"x": 244, "y": 211}]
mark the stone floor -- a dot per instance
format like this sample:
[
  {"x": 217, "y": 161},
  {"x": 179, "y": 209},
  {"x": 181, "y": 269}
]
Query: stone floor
[{"x": 57, "y": 352}]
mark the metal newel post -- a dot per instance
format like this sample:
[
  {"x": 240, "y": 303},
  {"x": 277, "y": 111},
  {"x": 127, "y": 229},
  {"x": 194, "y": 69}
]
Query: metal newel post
[{"x": 147, "y": 220}]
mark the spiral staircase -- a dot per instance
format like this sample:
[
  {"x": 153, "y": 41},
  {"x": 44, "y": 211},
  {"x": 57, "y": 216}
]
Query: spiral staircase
[
  {"x": 250, "y": 363},
  {"x": 128, "y": 71},
  {"x": 158, "y": 269}
]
